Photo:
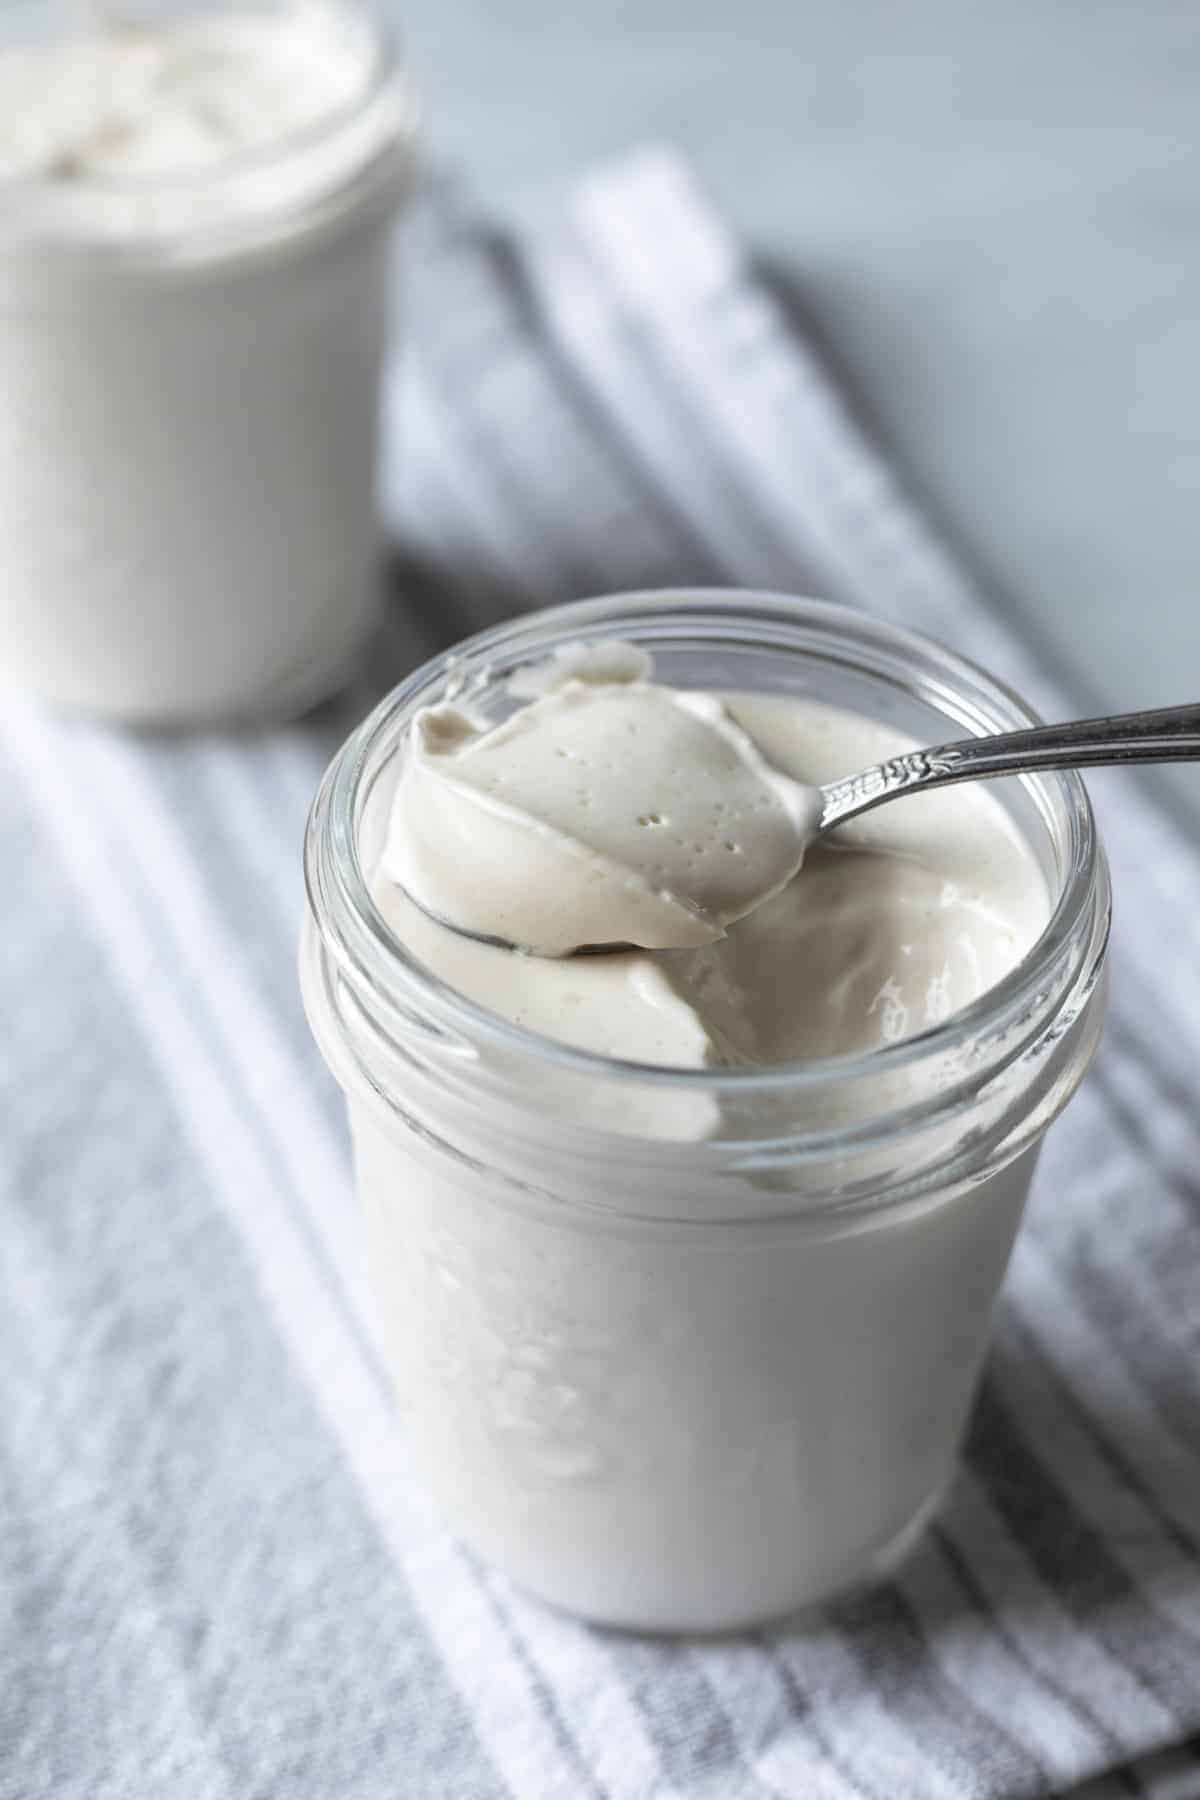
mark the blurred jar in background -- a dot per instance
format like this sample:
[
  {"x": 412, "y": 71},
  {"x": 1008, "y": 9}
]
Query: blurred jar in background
[{"x": 194, "y": 212}]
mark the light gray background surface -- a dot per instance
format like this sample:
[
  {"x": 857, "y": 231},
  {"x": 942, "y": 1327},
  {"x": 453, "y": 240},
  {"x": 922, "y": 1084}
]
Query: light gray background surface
[{"x": 991, "y": 213}]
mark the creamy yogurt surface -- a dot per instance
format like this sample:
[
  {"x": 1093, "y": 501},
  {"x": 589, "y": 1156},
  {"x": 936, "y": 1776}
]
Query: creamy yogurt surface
[
  {"x": 605, "y": 811},
  {"x": 611, "y": 809},
  {"x": 131, "y": 100}
]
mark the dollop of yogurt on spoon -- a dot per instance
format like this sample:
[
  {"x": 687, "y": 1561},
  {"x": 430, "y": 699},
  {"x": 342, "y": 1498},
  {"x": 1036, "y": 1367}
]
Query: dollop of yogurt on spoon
[{"x": 608, "y": 810}]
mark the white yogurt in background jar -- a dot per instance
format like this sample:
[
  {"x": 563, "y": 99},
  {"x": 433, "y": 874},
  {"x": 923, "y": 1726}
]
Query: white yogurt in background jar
[
  {"x": 194, "y": 211},
  {"x": 687, "y": 1347}
]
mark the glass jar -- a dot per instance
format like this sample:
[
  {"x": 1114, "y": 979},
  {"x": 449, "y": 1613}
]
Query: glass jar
[
  {"x": 686, "y": 1349},
  {"x": 190, "y": 367}
]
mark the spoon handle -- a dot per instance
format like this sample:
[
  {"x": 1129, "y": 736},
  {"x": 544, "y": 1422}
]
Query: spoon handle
[{"x": 1170, "y": 734}]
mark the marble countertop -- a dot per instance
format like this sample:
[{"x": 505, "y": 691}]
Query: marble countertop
[{"x": 988, "y": 213}]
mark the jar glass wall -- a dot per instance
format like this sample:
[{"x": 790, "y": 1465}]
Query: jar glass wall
[{"x": 684, "y": 1349}]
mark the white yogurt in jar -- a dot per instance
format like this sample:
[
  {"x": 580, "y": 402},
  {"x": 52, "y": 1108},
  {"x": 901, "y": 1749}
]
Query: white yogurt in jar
[
  {"x": 193, "y": 218},
  {"x": 686, "y": 1330},
  {"x": 142, "y": 100},
  {"x": 618, "y": 811}
]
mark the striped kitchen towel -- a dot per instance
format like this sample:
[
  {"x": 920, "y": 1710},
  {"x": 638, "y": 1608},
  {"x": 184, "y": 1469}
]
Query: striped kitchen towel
[{"x": 220, "y": 1580}]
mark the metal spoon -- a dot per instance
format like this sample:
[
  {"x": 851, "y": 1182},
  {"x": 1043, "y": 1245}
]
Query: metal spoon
[{"x": 1169, "y": 734}]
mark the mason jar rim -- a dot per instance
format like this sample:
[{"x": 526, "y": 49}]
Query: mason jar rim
[
  {"x": 384, "y": 152},
  {"x": 371, "y": 956}
]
